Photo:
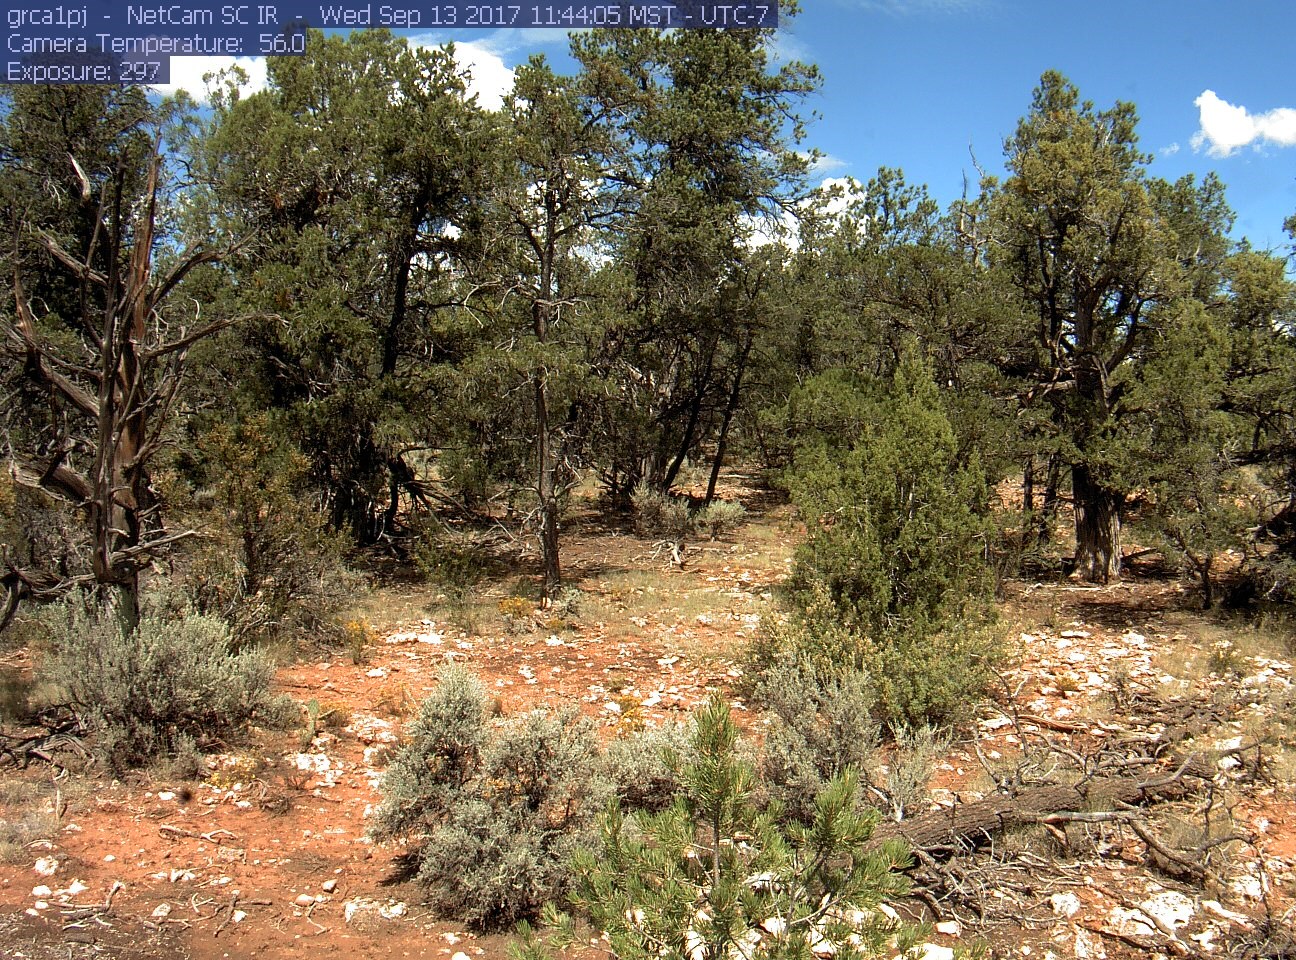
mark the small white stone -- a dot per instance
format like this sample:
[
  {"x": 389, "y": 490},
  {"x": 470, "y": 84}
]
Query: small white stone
[
  {"x": 1172, "y": 909},
  {"x": 950, "y": 928},
  {"x": 46, "y": 867},
  {"x": 1065, "y": 904},
  {"x": 42, "y": 892},
  {"x": 774, "y": 925},
  {"x": 934, "y": 951},
  {"x": 304, "y": 900},
  {"x": 161, "y": 911},
  {"x": 328, "y": 886},
  {"x": 461, "y": 956}
]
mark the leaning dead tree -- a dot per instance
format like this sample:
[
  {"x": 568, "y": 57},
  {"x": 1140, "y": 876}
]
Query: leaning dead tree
[{"x": 110, "y": 395}]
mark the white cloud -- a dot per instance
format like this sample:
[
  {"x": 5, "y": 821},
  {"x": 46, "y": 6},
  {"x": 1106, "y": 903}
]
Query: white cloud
[
  {"x": 187, "y": 74},
  {"x": 1169, "y": 151},
  {"x": 1226, "y": 128},
  {"x": 824, "y": 164},
  {"x": 832, "y": 199},
  {"x": 489, "y": 77}
]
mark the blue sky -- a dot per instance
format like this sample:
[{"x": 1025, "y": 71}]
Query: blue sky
[{"x": 915, "y": 83}]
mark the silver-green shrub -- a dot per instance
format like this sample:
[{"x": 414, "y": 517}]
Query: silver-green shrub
[
  {"x": 495, "y": 808},
  {"x": 166, "y": 684}
]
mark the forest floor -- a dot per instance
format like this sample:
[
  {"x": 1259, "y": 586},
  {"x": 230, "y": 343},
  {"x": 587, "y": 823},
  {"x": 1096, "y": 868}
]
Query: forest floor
[{"x": 267, "y": 854}]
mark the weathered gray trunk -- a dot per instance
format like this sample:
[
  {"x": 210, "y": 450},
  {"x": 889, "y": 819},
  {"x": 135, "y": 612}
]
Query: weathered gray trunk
[{"x": 1097, "y": 524}]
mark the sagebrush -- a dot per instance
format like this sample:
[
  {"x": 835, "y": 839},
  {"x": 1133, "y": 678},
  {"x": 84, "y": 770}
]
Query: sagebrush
[
  {"x": 159, "y": 688},
  {"x": 494, "y": 808}
]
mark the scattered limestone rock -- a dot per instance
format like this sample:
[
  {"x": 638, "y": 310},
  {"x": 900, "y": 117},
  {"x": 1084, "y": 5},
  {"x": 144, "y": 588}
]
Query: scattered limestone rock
[
  {"x": 932, "y": 951},
  {"x": 46, "y": 867},
  {"x": 1065, "y": 904}
]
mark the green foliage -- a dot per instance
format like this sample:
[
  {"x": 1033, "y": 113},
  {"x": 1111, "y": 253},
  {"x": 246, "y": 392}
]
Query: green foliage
[
  {"x": 710, "y": 877},
  {"x": 267, "y": 565},
  {"x": 496, "y": 808},
  {"x": 894, "y": 577},
  {"x": 160, "y": 688},
  {"x": 1202, "y": 504},
  {"x": 448, "y": 558}
]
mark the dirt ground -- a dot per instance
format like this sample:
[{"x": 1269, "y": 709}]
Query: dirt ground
[{"x": 267, "y": 854}]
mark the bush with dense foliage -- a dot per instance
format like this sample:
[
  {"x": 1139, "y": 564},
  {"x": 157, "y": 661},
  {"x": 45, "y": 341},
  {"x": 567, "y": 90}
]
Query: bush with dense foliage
[
  {"x": 822, "y": 725},
  {"x": 894, "y": 577},
  {"x": 266, "y": 564},
  {"x": 494, "y": 808},
  {"x": 159, "y": 688}
]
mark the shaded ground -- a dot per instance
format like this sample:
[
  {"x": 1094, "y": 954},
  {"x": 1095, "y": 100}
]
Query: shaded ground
[{"x": 267, "y": 854}]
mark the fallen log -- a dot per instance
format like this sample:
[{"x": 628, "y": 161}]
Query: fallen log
[{"x": 967, "y": 825}]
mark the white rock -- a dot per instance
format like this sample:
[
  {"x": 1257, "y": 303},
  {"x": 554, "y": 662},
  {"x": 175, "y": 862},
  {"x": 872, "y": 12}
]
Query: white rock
[
  {"x": 933, "y": 951},
  {"x": 42, "y": 892},
  {"x": 950, "y": 928},
  {"x": 239, "y": 916},
  {"x": 376, "y": 673},
  {"x": 41, "y": 905},
  {"x": 774, "y": 925},
  {"x": 461, "y": 956},
  {"x": 1172, "y": 909},
  {"x": 75, "y": 887},
  {"x": 46, "y": 867},
  {"x": 393, "y": 910},
  {"x": 889, "y": 912},
  {"x": 328, "y": 886},
  {"x": 304, "y": 900},
  {"x": 1131, "y": 923},
  {"x": 1087, "y": 946},
  {"x": 1065, "y": 904},
  {"x": 161, "y": 911}
]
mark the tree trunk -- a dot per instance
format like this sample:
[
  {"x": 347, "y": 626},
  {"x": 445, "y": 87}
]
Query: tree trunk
[
  {"x": 730, "y": 408},
  {"x": 1097, "y": 525},
  {"x": 546, "y": 490},
  {"x": 546, "y": 462}
]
